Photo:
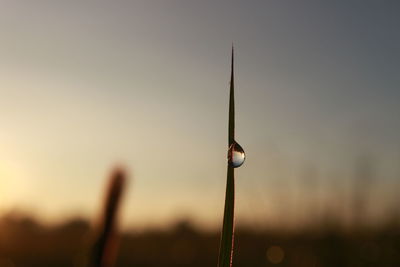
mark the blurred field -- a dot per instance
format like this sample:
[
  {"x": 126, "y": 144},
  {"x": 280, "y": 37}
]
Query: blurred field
[{"x": 24, "y": 241}]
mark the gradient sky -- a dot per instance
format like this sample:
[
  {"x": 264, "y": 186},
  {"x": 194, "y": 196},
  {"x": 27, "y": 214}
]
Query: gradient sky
[{"x": 88, "y": 84}]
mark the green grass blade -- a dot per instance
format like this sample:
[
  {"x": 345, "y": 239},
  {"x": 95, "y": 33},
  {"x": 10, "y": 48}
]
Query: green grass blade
[
  {"x": 227, "y": 236},
  {"x": 231, "y": 127}
]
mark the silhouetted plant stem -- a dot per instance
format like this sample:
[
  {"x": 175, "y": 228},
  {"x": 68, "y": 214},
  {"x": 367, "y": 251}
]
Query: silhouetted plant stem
[{"x": 227, "y": 236}]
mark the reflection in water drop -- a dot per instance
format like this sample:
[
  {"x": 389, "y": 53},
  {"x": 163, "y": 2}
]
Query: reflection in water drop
[{"x": 236, "y": 155}]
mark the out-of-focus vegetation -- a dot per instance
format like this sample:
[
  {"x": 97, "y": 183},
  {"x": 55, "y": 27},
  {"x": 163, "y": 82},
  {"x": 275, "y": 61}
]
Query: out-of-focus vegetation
[
  {"x": 324, "y": 239},
  {"x": 25, "y": 241}
]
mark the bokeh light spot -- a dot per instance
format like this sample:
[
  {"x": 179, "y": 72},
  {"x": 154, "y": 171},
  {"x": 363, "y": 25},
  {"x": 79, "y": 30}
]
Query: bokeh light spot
[{"x": 275, "y": 254}]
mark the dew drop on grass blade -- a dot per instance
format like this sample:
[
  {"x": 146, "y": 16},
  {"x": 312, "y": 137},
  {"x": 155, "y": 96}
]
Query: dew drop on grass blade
[{"x": 236, "y": 157}]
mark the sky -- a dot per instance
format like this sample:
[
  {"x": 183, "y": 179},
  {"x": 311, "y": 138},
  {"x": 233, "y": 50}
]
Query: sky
[{"x": 87, "y": 85}]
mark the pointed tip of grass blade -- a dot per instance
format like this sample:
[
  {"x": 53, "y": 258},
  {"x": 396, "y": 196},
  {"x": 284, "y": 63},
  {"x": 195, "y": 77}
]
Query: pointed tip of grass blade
[
  {"x": 104, "y": 247},
  {"x": 231, "y": 127}
]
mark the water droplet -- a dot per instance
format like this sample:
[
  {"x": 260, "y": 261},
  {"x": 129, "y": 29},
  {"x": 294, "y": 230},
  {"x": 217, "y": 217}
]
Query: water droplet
[{"x": 236, "y": 155}]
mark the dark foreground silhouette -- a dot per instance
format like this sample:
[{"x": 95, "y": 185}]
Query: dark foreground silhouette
[{"x": 26, "y": 242}]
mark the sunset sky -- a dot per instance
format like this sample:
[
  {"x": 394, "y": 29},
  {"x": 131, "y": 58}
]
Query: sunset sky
[{"x": 86, "y": 85}]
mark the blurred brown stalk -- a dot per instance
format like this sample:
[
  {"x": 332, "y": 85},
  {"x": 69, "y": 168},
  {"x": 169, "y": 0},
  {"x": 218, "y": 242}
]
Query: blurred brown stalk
[{"x": 104, "y": 249}]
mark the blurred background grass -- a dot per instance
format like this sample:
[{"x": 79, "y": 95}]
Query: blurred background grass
[
  {"x": 26, "y": 242},
  {"x": 324, "y": 238}
]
